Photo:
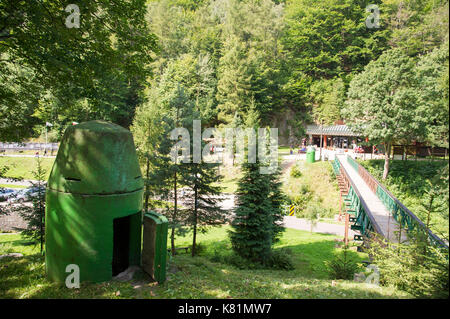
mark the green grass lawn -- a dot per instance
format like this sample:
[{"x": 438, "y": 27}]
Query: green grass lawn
[
  {"x": 22, "y": 167},
  {"x": 12, "y": 186},
  {"x": 198, "y": 277}
]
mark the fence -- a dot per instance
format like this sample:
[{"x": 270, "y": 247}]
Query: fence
[
  {"x": 420, "y": 151},
  {"x": 28, "y": 146}
]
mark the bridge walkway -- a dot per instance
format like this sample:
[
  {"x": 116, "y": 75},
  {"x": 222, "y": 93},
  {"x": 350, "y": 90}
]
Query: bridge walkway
[{"x": 379, "y": 214}]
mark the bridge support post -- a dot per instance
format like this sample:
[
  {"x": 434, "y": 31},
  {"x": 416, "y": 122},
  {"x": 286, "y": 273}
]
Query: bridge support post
[{"x": 346, "y": 229}]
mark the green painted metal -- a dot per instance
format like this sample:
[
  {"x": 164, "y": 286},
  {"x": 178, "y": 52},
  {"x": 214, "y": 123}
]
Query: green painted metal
[
  {"x": 160, "y": 249},
  {"x": 95, "y": 179},
  {"x": 336, "y": 167},
  {"x": 353, "y": 163},
  {"x": 355, "y": 208},
  {"x": 401, "y": 214},
  {"x": 311, "y": 155}
]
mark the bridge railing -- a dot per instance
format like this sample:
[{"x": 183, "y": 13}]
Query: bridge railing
[
  {"x": 363, "y": 215},
  {"x": 400, "y": 212}
]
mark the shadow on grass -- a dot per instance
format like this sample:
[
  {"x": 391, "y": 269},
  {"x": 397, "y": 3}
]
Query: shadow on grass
[
  {"x": 25, "y": 278},
  {"x": 308, "y": 259},
  {"x": 198, "y": 277},
  {"x": 19, "y": 242},
  {"x": 19, "y": 273}
]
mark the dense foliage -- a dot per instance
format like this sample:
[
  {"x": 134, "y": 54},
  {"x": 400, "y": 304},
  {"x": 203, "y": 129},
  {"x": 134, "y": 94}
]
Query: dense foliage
[
  {"x": 297, "y": 58},
  {"x": 55, "y": 73},
  {"x": 415, "y": 267}
]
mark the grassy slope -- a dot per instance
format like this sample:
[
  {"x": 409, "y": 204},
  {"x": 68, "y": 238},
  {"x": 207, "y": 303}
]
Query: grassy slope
[
  {"x": 22, "y": 167},
  {"x": 406, "y": 181},
  {"x": 317, "y": 176},
  {"x": 197, "y": 277}
]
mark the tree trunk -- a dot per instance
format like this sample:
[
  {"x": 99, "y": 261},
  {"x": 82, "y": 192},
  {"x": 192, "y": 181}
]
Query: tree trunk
[
  {"x": 194, "y": 236},
  {"x": 147, "y": 195},
  {"x": 387, "y": 151},
  {"x": 320, "y": 154},
  {"x": 41, "y": 218},
  {"x": 429, "y": 210},
  {"x": 172, "y": 236}
]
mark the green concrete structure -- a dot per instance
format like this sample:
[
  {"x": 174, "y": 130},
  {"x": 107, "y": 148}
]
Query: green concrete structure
[
  {"x": 154, "y": 250},
  {"x": 310, "y": 155},
  {"x": 94, "y": 203}
]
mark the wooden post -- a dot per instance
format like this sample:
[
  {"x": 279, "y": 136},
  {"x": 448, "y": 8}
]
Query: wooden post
[
  {"x": 346, "y": 229},
  {"x": 321, "y": 142}
]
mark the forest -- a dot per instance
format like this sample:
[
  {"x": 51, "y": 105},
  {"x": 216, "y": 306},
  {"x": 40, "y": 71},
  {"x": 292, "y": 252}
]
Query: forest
[{"x": 297, "y": 61}]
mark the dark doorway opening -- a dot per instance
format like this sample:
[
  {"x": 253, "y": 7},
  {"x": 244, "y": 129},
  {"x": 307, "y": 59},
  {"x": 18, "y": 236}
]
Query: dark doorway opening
[{"x": 121, "y": 245}]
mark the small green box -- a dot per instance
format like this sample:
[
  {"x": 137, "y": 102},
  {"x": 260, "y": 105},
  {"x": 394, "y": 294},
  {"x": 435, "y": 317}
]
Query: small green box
[{"x": 310, "y": 155}]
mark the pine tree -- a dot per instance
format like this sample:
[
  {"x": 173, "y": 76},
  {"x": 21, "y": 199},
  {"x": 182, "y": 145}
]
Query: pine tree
[
  {"x": 202, "y": 199},
  {"x": 258, "y": 216},
  {"x": 277, "y": 199},
  {"x": 34, "y": 215},
  {"x": 167, "y": 108},
  {"x": 180, "y": 114},
  {"x": 252, "y": 226}
]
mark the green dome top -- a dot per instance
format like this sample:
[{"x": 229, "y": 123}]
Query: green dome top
[{"x": 96, "y": 157}]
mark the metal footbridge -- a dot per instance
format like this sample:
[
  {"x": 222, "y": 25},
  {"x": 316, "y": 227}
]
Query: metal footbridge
[{"x": 372, "y": 208}]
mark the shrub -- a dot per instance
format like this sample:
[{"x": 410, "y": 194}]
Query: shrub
[
  {"x": 295, "y": 172},
  {"x": 199, "y": 249},
  {"x": 281, "y": 259},
  {"x": 343, "y": 266},
  {"x": 416, "y": 268},
  {"x": 313, "y": 213}
]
